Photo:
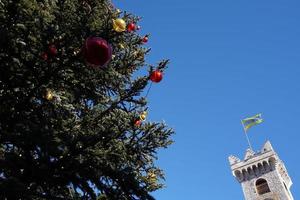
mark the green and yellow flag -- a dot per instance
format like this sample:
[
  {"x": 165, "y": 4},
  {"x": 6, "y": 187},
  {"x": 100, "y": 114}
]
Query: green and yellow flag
[{"x": 251, "y": 121}]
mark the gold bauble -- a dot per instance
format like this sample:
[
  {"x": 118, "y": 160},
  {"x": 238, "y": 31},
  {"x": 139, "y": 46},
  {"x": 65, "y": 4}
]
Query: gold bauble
[
  {"x": 143, "y": 115},
  {"x": 49, "y": 95},
  {"x": 119, "y": 25}
]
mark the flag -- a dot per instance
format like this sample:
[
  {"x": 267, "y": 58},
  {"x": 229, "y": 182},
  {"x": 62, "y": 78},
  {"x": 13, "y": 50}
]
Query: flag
[{"x": 251, "y": 121}]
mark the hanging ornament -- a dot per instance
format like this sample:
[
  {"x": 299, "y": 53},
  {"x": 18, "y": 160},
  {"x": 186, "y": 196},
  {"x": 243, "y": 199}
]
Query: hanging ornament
[
  {"x": 156, "y": 76},
  {"x": 119, "y": 25},
  {"x": 131, "y": 27},
  {"x": 52, "y": 50},
  {"x": 44, "y": 56},
  {"x": 138, "y": 27},
  {"x": 143, "y": 116},
  {"x": 97, "y": 51},
  {"x": 145, "y": 39},
  {"x": 49, "y": 95},
  {"x": 138, "y": 122}
]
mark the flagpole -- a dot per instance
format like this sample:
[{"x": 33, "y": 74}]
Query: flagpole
[{"x": 246, "y": 135}]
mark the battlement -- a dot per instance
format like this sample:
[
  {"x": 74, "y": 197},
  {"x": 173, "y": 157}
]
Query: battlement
[{"x": 262, "y": 169}]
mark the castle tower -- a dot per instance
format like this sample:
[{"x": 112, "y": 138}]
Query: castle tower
[{"x": 262, "y": 175}]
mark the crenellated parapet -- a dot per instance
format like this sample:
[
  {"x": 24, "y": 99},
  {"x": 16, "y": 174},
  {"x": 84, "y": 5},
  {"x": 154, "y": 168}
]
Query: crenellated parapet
[
  {"x": 262, "y": 174},
  {"x": 256, "y": 164}
]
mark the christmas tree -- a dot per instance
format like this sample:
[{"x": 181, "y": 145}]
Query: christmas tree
[{"x": 73, "y": 111}]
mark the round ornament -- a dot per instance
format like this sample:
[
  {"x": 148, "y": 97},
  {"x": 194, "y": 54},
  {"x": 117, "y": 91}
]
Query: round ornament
[
  {"x": 44, "y": 56},
  {"x": 131, "y": 27},
  {"x": 119, "y": 25},
  {"x": 97, "y": 51},
  {"x": 138, "y": 122},
  {"x": 156, "y": 76},
  {"x": 143, "y": 116},
  {"x": 145, "y": 39},
  {"x": 52, "y": 50},
  {"x": 49, "y": 95}
]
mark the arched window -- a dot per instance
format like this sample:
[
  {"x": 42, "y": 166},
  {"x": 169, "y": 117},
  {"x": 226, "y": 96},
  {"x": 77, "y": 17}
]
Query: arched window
[
  {"x": 255, "y": 169},
  {"x": 272, "y": 163},
  {"x": 262, "y": 186},
  {"x": 245, "y": 175},
  {"x": 260, "y": 168},
  {"x": 266, "y": 166},
  {"x": 238, "y": 175}
]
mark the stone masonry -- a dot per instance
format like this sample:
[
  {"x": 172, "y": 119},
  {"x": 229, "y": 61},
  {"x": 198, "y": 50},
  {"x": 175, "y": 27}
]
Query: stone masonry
[{"x": 262, "y": 175}]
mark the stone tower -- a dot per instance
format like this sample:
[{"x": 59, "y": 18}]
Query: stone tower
[{"x": 262, "y": 175}]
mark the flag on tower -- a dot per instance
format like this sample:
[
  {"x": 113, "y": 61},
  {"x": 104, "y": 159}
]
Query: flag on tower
[{"x": 251, "y": 121}]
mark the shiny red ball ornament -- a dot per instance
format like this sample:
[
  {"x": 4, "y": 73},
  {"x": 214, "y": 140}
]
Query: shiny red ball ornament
[
  {"x": 97, "y": 51},
  {"x": 156, "y": 76},
  {"x": 131, "y": 27},
  {"x": 145, "y": 39},
  {"x": 138, "y": 122},
  {"x": 52, "y": 50}
]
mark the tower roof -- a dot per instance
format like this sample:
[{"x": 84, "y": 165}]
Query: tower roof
[{"x": 267, "y": 147}]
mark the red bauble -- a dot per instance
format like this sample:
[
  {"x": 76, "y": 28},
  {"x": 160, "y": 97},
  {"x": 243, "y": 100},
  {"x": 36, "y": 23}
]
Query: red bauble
[
  {"x": 156, "y": 76},
  {"x": 145, "y": 39},
  {"x": 138, "y": 122},
  {"x": 52, "y": 50},
  {"x": 44, "y": 56},
  {"x": 131, "y": 27},
  {"x": 97, "y": 51}
]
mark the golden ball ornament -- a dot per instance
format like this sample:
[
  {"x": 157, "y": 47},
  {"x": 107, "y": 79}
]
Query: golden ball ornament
[
  {"x": 119, "y": 25},
  {"x": 143, "y": 116},
  {"x": 49, "y": 95}
]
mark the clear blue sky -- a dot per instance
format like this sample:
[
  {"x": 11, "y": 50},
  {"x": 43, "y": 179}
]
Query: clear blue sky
[{"x": 229, "y": 60}]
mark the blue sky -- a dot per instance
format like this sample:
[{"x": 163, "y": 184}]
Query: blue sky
[{"x": 229, "y": 60}]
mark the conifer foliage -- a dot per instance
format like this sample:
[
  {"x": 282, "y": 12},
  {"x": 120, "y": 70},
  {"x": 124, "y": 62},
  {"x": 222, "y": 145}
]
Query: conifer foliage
[{"x": 70, "y": 101}]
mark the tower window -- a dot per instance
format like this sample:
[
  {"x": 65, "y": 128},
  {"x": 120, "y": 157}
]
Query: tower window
[{"x": 262, "y": 186}]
